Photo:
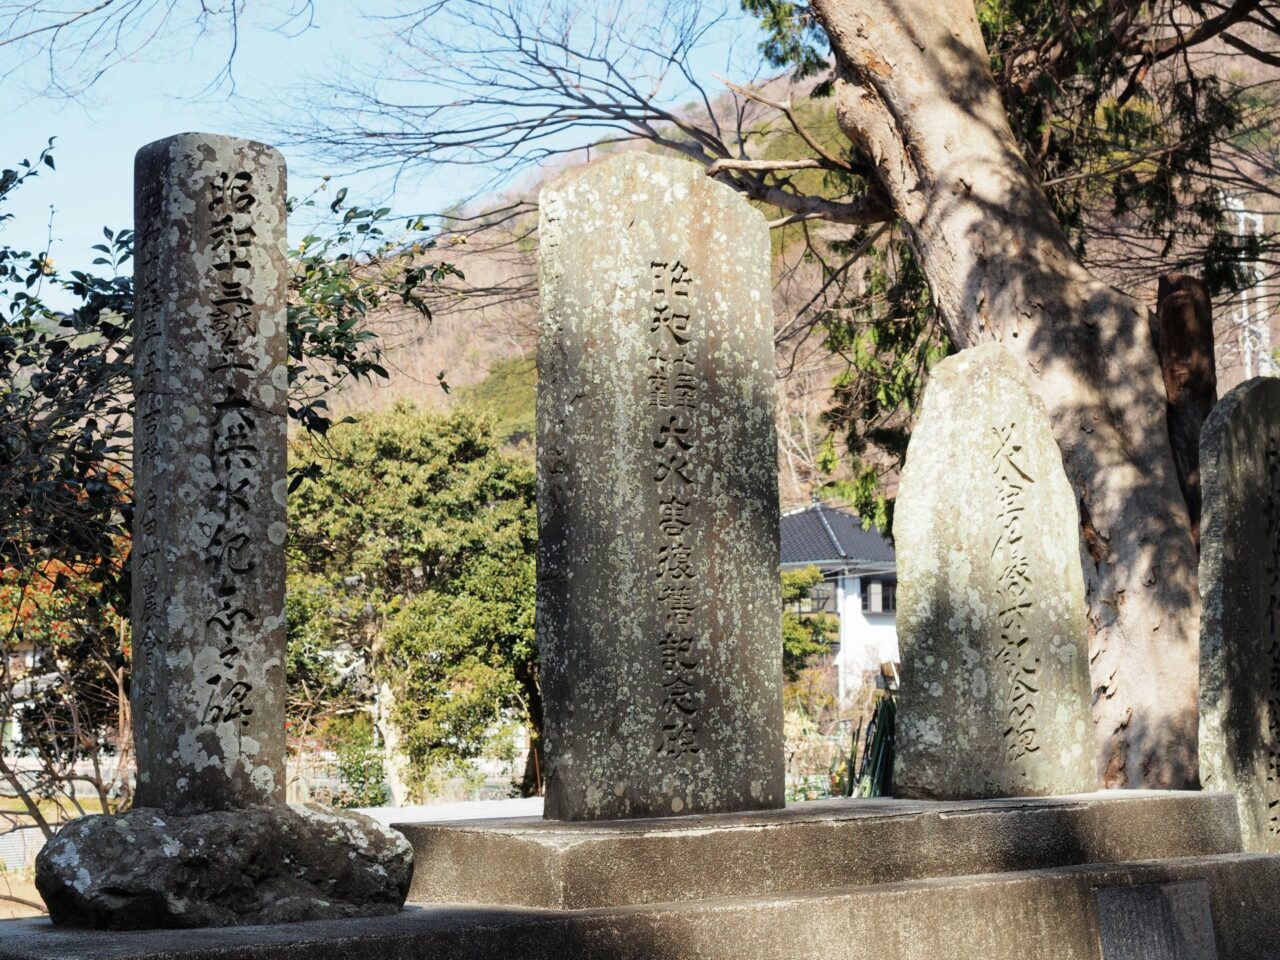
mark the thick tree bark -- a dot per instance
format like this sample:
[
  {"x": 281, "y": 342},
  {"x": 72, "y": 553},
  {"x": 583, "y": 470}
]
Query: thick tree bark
[
  {"x": 534, "y": 763},
  {"x": 394, "y": 762},
  {"x": 917, "y": 96},
  {"x": 1184, "y": 342}
]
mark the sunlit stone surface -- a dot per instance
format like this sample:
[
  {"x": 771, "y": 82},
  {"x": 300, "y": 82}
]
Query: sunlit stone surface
[{"x": 991, "y": 612}]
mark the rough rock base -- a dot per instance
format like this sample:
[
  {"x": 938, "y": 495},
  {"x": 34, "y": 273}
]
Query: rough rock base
[
  {"x": 147, "y": 869},
  {"x": 1118, "y": 877}
]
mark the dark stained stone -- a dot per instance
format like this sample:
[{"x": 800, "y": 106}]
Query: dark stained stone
[
  {"x": 1240, "y": 622},
  {"x": 991, "y": 613},
  {"x": 658, "y": 594},
  {"x": 209, "y": 467},
  {"x": 1156, "y": 921}
]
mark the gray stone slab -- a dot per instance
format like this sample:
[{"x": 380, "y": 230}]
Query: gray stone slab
[
  {"x": 658, "y": 594},
  {"x": 209, "y": 470},
  {"x": 1156, "y": 921},
  {"x": 1240, "y": 622},
  {"x": 529, "y": 862},
  {"x": 1036, "y": 915},
  {"x": 991, "y": 615}
]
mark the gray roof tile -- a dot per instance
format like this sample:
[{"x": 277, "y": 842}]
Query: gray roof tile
[{"x": 822, "y": 534}]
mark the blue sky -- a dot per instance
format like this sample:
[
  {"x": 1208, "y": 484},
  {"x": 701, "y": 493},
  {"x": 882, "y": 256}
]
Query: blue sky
[{"x": 164, "y": 91}]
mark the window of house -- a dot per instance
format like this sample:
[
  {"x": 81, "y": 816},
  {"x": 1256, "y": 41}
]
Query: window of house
[
  {"x": 820, "y": 599},
  {"x": 879, "y": 595}
]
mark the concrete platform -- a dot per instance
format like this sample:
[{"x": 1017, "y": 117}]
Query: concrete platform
[
  {"x": 1114, "y": 876},
  {"x": 809, "y": 846},
  {"x": 1031, "y": 915}
]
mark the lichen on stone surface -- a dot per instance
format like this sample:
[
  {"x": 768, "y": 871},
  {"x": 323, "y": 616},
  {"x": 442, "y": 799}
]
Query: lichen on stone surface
[
  {"x": 211, "y": 276},
  {"x": 995, "y": 696},
  {"x": 272, "y": 864},
  {"x": 605, "y": 229}
]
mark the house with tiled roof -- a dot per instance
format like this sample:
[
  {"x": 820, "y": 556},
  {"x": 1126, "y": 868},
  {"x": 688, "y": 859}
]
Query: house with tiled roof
[{"x": 859, "y": 586}]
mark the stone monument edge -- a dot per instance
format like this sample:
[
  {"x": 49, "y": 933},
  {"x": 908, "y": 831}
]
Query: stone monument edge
[
  {"x": 1210, "y": 572},
  {"x": 991, "y": 357},
  {"x": 155, "y": 146},
  {"x": 723, "y": 191}
]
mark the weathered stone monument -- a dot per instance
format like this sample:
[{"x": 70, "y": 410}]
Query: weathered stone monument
[
  {"x": 658, "y": 608},
  {"x": 211, "y": 388},
  {"x": 1240, "y": 623},
  {"x": 991, "y": 616},
  {"x": 658, "y": 594},
  {"x": 210, "y": 840}
]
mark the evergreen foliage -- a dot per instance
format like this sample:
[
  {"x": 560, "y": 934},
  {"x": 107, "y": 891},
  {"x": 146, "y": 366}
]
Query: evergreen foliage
[
  {"x": 412, "y": 547},
  {"x": 508, "y": 396},
  {"x": 803, "y": 636}
]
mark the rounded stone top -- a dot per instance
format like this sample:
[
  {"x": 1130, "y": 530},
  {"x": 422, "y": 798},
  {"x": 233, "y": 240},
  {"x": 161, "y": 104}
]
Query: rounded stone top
[
  {"x": 680, "y": 173},
  {"x": 218, "y": 144}
]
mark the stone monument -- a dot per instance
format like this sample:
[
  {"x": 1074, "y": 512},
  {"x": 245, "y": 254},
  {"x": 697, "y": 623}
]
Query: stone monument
[
  {"x": 658, "y": 592},
  {"x": 209, "y": 484},
  {"x": 209, "y": 840},
  {"x": 655, "y": 363},
  {"x": 991, "y": 613},
  {"x": 1240, "y": 623}
]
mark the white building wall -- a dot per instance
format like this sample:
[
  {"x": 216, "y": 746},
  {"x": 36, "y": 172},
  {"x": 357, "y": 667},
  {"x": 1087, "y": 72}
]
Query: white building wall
[{"x": 866, "y": 639}]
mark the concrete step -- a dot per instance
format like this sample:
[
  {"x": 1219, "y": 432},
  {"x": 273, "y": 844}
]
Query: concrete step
[
  {"x": 835, "y": 843},
  {"x": 1194, "y": 908}
]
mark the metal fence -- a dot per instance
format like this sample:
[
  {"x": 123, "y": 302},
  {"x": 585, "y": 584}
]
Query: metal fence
[{"x": 19, "y": 846}]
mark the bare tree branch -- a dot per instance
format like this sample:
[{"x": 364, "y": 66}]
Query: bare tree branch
[
  {"x": 765, "y": 166},
  {"x": 80, "y": 45},
  {"x": 787, "y": 110}
]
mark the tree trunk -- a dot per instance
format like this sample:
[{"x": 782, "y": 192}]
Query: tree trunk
[
  {"x": 534, "y": 765},
  {"x": 393, "y": 760},
  {"x": 1184, "y": 342},
  {"x": 916, "y": 95}
]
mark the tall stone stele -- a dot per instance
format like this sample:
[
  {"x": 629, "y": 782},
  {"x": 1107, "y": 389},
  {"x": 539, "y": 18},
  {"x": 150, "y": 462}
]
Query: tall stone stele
[
  {"x": 211, "y": 387},
  {"x": 1240, "y": 622},
  {"x": 658, "y": 593},
  {"x": 209, "y": 840},
  {"x": 991, "y": 617}
]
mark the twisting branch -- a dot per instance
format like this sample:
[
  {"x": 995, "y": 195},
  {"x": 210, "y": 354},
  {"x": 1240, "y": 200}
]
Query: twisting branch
[
  {"x": 1262, "y": 56},
  {"x": 765, "y": 166},
  {"x": 80, "y": 46},
  {"x": 1153, "y": 51},
  {"x": 787, "y": 110},
  {"x": 526, "y": 84}
]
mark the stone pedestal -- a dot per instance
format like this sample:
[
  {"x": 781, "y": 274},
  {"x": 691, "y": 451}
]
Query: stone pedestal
[
  {"x": 276, "y": 864},
  {"x": 829, "y": 843},
  {"x": 1142, "y": 876}
]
